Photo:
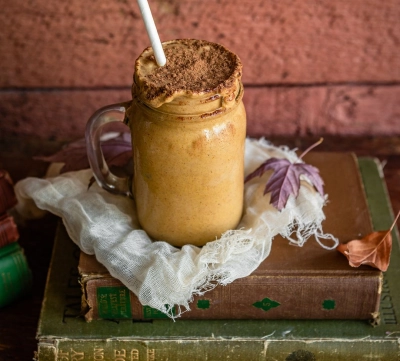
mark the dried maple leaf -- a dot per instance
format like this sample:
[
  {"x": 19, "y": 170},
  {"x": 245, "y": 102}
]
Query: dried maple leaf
[
  {"x": 285, "y": 179},
  {"x": 372, "y": 250},
  {"x": 117, "y": 152}
]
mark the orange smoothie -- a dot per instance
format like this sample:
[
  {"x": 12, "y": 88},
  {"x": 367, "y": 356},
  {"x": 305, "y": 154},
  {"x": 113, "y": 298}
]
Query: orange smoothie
[{"x": 188, "y": 127}]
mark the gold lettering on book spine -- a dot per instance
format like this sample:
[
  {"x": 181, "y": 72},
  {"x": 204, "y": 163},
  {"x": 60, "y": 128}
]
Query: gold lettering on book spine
[
  {"x": 72, "y": 355},
  {"x": 77, "y": 356},
  {"x": 388, "y": 310},
  {"x": 151, "y": 354},
  {"x": 123, "y": 294},
  {"x": 120, "y": 355},
  {"x": 62, "y": 356},
  {"x": 98, "y": 354},
  {"x": 114, "y": 303},
  {"x": 134, "y": 354}
]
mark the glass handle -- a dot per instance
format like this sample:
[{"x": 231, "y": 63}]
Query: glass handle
[{"x": 101, "y": 172}]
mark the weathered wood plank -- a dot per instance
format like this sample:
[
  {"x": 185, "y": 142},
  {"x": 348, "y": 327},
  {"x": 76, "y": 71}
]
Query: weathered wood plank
[
  {"x": 335, "y": 110},
  {"x": 57, "y": 115},
  {"x": 299, "y": 110},
  {"x": 94, "y": 43}
]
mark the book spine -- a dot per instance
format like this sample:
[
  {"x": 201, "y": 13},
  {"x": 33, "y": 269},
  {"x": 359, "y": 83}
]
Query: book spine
[
  {"x": 8, "y": 230},
  {"x": 216, "y": 350},
  {"x": 15, "y": 275},
  {"x": 7, "y": 194},
  {"x": 312, "y": 297}
]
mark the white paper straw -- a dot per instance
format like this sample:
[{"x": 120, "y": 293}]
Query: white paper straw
[{"x": 152, "y": 32}]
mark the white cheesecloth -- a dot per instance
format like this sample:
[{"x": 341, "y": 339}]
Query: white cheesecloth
[{"x": 161, "y": 275}]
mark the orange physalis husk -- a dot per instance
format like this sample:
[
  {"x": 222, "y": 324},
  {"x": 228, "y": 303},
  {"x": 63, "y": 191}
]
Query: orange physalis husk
[{"x": 372, "y": 250}]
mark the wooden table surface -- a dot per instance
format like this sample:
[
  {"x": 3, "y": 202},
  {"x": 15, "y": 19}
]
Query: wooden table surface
[{"x": 18, "y": 322}]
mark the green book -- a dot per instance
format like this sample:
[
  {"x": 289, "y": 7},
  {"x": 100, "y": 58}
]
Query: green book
[
  {"x": 64, "y": 335},
  {"x": 15, "y": 275}
]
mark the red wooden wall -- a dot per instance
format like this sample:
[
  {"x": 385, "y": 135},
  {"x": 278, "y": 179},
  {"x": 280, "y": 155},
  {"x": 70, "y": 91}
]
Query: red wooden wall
[{"x": 310, "y": 67}]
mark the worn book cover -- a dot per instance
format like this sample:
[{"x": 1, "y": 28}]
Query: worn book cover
[
  {"x": 64, "y": 335},
  {"x": 293, "y": 282},
  {"x": 8, "y": 230}
]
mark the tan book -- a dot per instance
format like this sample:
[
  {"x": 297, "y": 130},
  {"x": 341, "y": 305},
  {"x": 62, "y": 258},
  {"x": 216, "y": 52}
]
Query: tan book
[{"x": 306, "y": 282}]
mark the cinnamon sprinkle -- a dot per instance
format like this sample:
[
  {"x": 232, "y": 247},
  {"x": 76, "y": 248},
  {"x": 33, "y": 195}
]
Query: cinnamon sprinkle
[{"x": 193, "y": 66}]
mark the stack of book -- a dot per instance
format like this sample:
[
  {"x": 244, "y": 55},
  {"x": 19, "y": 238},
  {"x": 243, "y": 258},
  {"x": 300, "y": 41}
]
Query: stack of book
[
  {"x": 300, "y": 304},
  {"x": 16, "y": 277}
]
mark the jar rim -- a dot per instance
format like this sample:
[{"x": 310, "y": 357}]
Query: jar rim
[{"x": 178, "y": 116}]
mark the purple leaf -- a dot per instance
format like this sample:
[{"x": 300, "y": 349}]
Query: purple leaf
[
  {"x": 285, "y": 180},
  {"x": 73, "y": 155},
  {"x": 117, "y": 152}
]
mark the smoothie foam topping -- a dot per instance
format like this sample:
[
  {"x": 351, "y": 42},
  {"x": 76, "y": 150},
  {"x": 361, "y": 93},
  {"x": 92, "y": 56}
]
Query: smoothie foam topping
[{"x": 193, "y": 67}]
